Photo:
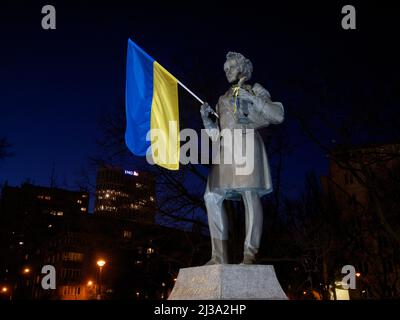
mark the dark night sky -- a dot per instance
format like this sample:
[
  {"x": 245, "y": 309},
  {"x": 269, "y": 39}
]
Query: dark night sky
[{"x": 54, "y": 85}]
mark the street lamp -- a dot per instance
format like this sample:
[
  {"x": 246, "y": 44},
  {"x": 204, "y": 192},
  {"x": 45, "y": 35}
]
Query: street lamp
[
  {"x": 101, "y": 264},
  {"x": 5, "y": 290},
  {"x": 26, "y": 288}
]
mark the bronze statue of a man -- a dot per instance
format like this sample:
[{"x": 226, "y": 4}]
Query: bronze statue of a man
[{"x": 243, "y": 107}]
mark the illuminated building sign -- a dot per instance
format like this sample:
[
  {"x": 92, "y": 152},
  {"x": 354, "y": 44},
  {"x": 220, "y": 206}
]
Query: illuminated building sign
[{"x": 132, "y": 173}]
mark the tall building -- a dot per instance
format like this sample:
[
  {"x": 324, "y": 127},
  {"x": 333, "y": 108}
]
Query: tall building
[
  {"x": 125, "y": 194},
  {"x": 43, "y": 200},
  {"x": 36, "y": 211},
  {"x": 30, "y": 215}
]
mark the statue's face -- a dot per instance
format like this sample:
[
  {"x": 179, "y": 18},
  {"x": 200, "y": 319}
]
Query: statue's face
[{"x": 232, "y": 70}]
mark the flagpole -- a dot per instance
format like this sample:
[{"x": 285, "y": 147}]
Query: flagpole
[{"x": 187, "y": 89}]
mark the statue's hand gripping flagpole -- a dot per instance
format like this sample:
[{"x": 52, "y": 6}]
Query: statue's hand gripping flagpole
[{"x": 202, "y": 102}]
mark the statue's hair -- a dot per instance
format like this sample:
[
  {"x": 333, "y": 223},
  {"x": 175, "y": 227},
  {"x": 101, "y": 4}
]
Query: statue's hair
[{"x": 245, "y": 65}]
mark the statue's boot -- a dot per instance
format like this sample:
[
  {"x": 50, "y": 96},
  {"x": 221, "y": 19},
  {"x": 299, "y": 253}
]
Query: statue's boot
[
  {"x": 249, "y": 255},
  {"x": 219, "y": 253},
  {"x": 254, "y": 225}
]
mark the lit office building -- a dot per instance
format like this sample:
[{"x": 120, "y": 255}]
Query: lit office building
[{"x": 125, "y": 194}]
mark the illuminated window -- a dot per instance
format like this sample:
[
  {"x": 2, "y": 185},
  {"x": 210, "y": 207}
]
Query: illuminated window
[
  {"x": 44, "y": 197},
  {"x": 127, "y": 234},
  {"x": 150, "y": 250},
  {"x": 79, "y": 201},
  {"x": 151, "y": 198},
  {"x": 83, "y": 209},
  {"x": 84, "y": 196},
  {"x": 73, "y": 256},
  {"x": 107, "y": 195},
  {"x": 57, "y": 213},
  {"x": 138, "y": 185}
]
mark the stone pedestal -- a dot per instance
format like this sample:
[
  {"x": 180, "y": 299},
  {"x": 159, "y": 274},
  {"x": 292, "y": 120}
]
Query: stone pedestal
[{"x": 228, "y": 281}]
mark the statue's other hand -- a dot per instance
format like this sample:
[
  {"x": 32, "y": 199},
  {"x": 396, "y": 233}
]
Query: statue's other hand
[
  {"x": 205, "y": 110},
  {"x": 244, "y": 94}
]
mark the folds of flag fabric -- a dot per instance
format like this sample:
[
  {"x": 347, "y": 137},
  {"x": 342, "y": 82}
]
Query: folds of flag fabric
[{"x": 152, "y": 112}]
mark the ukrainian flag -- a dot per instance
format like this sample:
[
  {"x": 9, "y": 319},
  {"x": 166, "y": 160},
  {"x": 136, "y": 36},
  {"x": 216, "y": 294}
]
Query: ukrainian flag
[{"x": 152, "y": 113}]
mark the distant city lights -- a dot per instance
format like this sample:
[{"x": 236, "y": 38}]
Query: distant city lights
[{"x": 132, "y": 173}]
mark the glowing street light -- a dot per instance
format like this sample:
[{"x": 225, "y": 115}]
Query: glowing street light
[
  {"x": 89, "y": 283},
  {"x": 4, "y": 289},
  {"x": 358, "y": 274},
  {"x": 26, "y": 270},
  {"x": 101, "y": 264}
]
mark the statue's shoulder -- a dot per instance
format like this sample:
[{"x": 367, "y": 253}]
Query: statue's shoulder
[
  {"x": 260, "y": 91},
  {"x": 226, "y": 95}
]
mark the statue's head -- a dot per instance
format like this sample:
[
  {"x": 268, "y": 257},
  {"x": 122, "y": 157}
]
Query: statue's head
[{"x": 237, "y": 66}]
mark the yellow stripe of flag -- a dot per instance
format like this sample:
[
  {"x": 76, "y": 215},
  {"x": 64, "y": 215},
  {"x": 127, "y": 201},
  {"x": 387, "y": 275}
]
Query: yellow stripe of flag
[{"x": 164, "y": 121}]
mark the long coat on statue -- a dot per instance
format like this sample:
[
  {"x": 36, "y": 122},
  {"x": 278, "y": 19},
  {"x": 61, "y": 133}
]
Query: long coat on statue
[{"x": 230, "y": 176}]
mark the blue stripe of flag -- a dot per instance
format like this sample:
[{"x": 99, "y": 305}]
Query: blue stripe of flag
[{"x": 138, "y": 98}]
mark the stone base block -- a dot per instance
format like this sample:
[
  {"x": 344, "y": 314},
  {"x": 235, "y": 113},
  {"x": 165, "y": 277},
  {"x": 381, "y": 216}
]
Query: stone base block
[{"x": 226, "y": 282}]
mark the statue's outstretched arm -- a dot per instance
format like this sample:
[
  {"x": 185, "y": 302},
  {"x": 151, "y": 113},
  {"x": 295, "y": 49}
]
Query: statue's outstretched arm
[{"x": 211, "y": 126}]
